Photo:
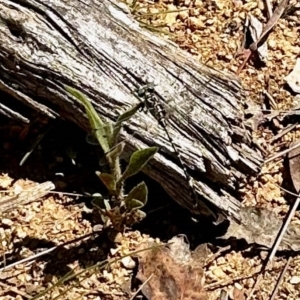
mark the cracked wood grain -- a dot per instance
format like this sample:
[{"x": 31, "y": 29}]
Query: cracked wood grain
[
  {"x": 100, "y": 50},
  {"x": 26, "y": 196}
]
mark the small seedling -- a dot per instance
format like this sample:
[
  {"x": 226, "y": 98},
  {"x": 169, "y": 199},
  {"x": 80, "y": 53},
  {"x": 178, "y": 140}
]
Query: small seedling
[{"x": 118, "y": 209}]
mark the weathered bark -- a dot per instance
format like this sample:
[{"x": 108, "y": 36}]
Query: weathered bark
[{"x": 99, "y": 49}]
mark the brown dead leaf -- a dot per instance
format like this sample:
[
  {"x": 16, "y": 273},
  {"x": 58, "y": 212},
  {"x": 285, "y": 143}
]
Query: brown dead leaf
[
  {"x": 293, "y": 78},
  {"x": 294, "y": 162},
  {"x": 175, "y": 275}
]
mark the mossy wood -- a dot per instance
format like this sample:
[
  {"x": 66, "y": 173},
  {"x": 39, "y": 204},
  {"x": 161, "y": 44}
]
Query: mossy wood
[{"x": 97, "y": 48}]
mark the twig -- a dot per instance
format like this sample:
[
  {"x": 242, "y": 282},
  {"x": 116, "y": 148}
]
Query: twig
[
  {"x": 257, "y": 282},
  {"x": 269, "y": 8},
  {"x": 282, "y": 153},
  {"x": 283, "y": 229},
  {"x": 142, "y": 285},
  {"x": 271, "y": 99},
  {"x": 224, "y": 283},
  {"x": 35, "y": 256},
  {"x": 283, "y": 132},
  {"x": 280, "y": 279},
  {"x": 266, "y": 30},
  {"x": 276, "y": 244}
]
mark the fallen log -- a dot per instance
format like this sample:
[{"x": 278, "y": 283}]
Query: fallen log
[{"x": 97, "y": 48}]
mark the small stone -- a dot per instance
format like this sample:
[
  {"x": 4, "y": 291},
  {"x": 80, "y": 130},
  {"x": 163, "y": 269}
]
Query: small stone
[
  {"x": 128, "y": 262},
  {"x": 210, "y": 21},
  {"x": 272, "y": 44},
  {"x": 118, "y": 238},
  {"x": 238, "y": 286},
  {"x": 198, "y": 3},
  {"x": 183, "y": 15},
  {"x": 195, "y": 23},
  {"x": 108, "y": 276},
  {"x": 7, "y": 222},
  {"x": 221, "y": 261},
  {"x": 20, "y": 233},
  {"x": 218, "y": 272},
  {"x": 97, "y": 227},
  {"x": 295, "y": 280},
  {"x": 17, "y": 189},
  {"x": 113, "y": 251},
  {"x": 28, "y": 277},
  {"x": 261, "y": 5}
]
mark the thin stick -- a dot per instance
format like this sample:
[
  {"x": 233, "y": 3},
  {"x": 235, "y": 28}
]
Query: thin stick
[
  {"x": 282, "y": 133},
  {"x": 35, "y": 256},
  {"x": 280, "y": 279},
  {"x": 142, "y": 285},
  {"x": 266, "y": 30},
  {"x": 283, "y": 229},
  {"x": 257, "y": 282},
  {"x": 282, "y": 153},
  {"x": 269, "y": 8},
  {"x": 276, "y": 244},
  {"x": 224, "y": 283},
  {"x": 271, "y": 99}
]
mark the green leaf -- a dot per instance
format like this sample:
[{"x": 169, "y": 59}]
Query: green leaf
[
  {"x": 109, "y": 131},
  {"x": 123, "y": 118},
  {"x": 108, "y": 180},
  {"x": 133, "y": 204},
  {"x": 137, "y": 161},
  {"x": 116, "y": 151},
  {"x": 95, "y": 121},
  {"x": 137, "y": 197}
]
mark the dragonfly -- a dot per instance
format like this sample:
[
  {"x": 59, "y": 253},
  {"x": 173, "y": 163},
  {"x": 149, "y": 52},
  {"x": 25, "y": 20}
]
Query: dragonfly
[
  {"x": 150, "y": 102},
  {"x": 177, "y": 121},
  {"x": 152, "y": 105}
]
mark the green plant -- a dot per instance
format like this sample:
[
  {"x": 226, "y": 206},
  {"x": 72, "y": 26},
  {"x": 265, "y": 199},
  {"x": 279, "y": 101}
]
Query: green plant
[{"x": 118, "y": 209}]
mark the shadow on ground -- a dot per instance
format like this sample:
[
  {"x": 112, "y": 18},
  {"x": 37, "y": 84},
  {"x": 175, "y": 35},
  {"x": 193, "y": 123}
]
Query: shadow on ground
[{"x": 51, "y": 160}]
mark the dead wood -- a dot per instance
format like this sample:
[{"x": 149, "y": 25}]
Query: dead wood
[
  {"x": 100, "y": 50},
  {"x": 34, "y": 193}
]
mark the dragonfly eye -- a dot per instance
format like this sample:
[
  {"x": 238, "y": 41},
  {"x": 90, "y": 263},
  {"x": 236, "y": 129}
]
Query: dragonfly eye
[
  {"x": 140, "y": 92},
  {"x": 150, "y": 88}
]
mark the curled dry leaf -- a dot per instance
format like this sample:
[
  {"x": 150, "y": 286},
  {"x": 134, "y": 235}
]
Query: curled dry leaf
[
  {"x": 256, "y": 28},
  {"x": 175, "y": 275},
  {"x": 260, "y": 227}
]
